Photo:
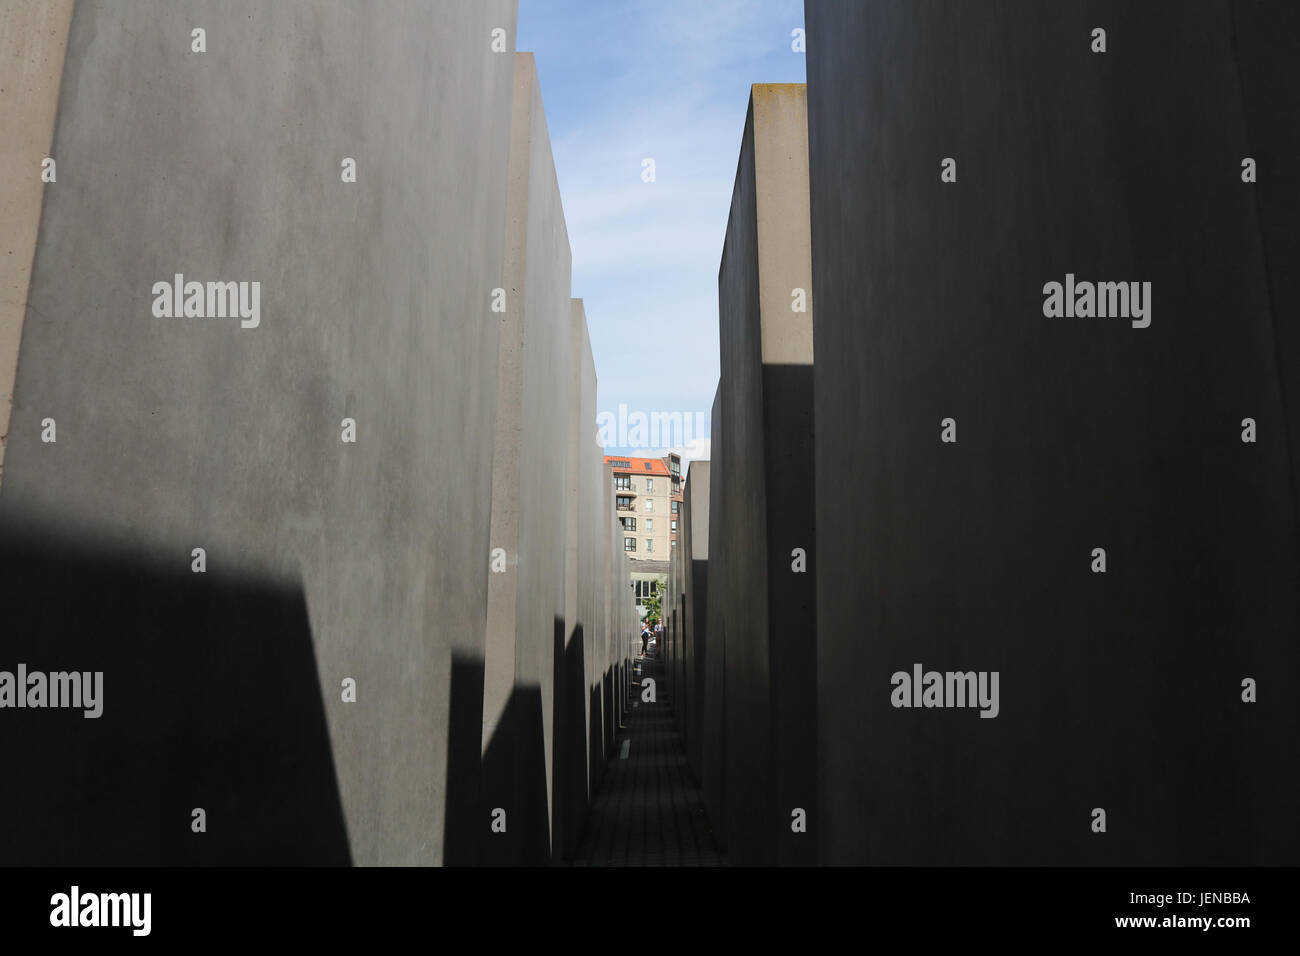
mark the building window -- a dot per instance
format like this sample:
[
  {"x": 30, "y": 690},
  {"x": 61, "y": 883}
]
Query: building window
[
  {"x": 645, "y": 589},
  {"x": 623, "y": 482},
  {"x": 629, "y": 544},
  {"x": 649, "y": 504},
  {"x": 675, "y": 504},
  {"x": 649, "y": 545},
  {"x": 674, "y": 544},
  {"x": 649, "y": 524},
  {"x": 649, "y": 484},
  {"x": 625, "y": 502},
  {"x": 674, "y": 524},
  {"x": 629, "y": 523}
]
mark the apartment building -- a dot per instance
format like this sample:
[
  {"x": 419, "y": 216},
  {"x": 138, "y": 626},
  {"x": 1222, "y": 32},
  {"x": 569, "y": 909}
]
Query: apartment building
[{"x": 648, "y": 496}]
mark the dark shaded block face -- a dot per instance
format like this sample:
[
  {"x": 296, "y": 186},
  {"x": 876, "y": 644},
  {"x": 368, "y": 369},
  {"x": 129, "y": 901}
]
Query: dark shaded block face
[
  {"x": 974, "y": 450},
  {"x": 210, "y": 700}
]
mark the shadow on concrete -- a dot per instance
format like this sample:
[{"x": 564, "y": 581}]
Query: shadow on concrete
[
  {"x": 596, "y": 748},
  {"x": 696, "y": 684},
  {"x": 510, "y": 776},
  {"x": 571, "y": 768},
  {"x": 791, "y": 615},
  {"x": 462, "y": 824},
  {"x": 211, "y": 699}
]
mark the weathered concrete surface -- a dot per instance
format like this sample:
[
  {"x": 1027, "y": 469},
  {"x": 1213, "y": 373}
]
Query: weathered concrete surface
[
  {"x": 1120, "y": 690},
  {"x": 181, "y": 433},
  {"x": 580, "y": 671},
  {"x": 625, "y": 627},
  {"x": 713, "y": 734},
  {"x": 614, "y": 578},
  {"x": 695, "y": 606},
  {"x": 672, "y": 645},
  {"x": 526, "y": 610},
  {"x": 686, "y": 609},
  {"x": 765, "y": 334},
  {"x": 326, "y": 559},
  {"x": 1267, "y": 38},
  {"x": 33, "y": 34}
]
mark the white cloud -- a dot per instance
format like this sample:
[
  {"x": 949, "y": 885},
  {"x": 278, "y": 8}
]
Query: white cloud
[{"x": 668, "y": 80}]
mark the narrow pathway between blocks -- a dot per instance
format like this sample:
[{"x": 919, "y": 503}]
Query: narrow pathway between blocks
[{"x": 648, "y": 811}]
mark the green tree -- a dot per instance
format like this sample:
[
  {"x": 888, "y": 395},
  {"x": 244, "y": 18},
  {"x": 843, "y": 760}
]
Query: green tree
[{"x": 653, "y": 605}]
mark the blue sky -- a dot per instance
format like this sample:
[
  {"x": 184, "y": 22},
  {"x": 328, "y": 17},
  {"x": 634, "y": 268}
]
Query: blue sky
[{"x": 625, "y": 80}]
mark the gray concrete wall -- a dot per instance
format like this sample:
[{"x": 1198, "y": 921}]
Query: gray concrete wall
[
  {"x": 713, "y": 731},
  {"x": 695, "y": 611},
  {"x": 614, "y": 590},
  {"x": 529, "y": 490},
  {"x": 580, "y": 673},
  {"x": 1267, "y": 36},
  {"x": 181, "y": 433},
  {"x": 1118, "y": 690},
  {"x": 686, "y": 610},
  {"x": 766, "y": 381},
  {"x": 674, "y": 638},
  {"x": 548, "y": 491},
  {"x": 544, "y": 735},
  {"x": 326, "y": 560},
  {"x": 750, "y": 814},
  {"x": 670, "y": 640},
  {"x": 33, "y": 35}
]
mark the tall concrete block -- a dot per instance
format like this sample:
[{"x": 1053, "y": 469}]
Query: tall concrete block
[
  {"x": 599, "y": 583},
  {"x": 695, "y": 603},
  {"x": 684, "y": 607},
  {"x": 615, "y": 589},
  {"x": 678, "y": 583},
  {"x": 765, "y": 332},
  {"x": 630, "y": 645},
  {"x": 713, "y": 731},
  {"x": 673, "y": 603},
  {"x": 1267, "y": 35},
  {"x": 579, "y": 668},
  {"x": 671, "y": 652},
  {"x": 526, "y": 604},
  {"x": 1119, "y": 689},
  {"x": 326, "y": 561}
]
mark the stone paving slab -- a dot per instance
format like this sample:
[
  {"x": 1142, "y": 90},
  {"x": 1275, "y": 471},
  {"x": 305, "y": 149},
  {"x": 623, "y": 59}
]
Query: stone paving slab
[{"x": 648, "y": 811}]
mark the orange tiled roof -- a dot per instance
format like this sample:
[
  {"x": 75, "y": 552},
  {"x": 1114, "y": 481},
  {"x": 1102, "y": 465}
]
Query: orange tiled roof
[{"x": 637, "y": 466}]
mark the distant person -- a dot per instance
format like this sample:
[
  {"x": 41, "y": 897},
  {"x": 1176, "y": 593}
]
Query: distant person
[
  {"x": 659, "y": 634},
  {"x": 645, "y": 638}
]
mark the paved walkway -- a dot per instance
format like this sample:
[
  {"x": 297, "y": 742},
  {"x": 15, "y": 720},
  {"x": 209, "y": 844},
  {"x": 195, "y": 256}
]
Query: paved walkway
[{"x": 648, "y": 810}]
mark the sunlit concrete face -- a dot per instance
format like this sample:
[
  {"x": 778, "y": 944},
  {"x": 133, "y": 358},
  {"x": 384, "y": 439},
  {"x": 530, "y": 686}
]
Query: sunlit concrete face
[
  {"x": 780, "y": 112},
  {"x": 32, "y": 40}
]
